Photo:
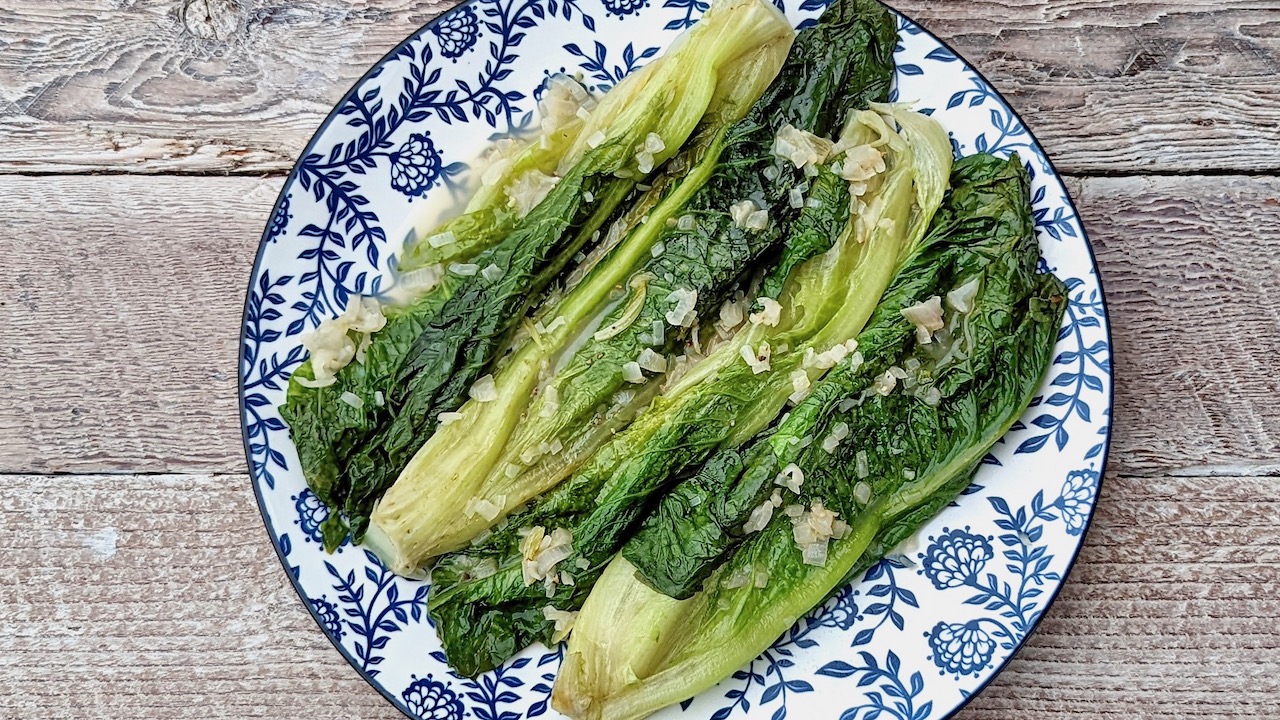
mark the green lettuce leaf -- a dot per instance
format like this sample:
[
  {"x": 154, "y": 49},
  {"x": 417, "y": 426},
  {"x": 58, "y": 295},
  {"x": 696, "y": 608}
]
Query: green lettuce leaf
[
  {"x": 464, "y": 324},
  {"x": 907, "y": 454},
  {"x": 483, "y": 615}
]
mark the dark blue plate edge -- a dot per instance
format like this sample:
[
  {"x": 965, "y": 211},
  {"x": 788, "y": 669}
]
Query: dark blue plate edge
[{"x": 257, "y": 263}]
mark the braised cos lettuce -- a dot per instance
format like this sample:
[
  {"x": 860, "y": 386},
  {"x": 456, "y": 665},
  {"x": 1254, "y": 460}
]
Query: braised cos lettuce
[
  {"x": 490, "y": 599},
  {"x": 911, "y": 423},
  {"x": 594, "y": 356},
  {"x": 357, "y": 424}
]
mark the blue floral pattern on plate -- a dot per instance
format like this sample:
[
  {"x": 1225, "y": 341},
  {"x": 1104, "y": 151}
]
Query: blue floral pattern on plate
[{"x": 917, "y": 636}]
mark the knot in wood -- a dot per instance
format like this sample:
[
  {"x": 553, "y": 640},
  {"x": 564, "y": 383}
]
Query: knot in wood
[{"x": 211, "y": 19}]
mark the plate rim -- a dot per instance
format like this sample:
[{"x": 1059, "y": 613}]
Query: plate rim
[{"x": 334, "y": 114}]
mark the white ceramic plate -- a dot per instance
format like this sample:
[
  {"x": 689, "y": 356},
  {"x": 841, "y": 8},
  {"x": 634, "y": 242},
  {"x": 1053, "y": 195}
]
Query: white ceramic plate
[{"x": 917, "y": 637}]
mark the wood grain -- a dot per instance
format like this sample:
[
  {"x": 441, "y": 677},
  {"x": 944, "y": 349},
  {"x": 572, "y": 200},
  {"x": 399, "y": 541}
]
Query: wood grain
[
  {"x": 124, "y": 347},
  {"x": 123, "y": 307},
  {"x": 182, "y": 85},
  {"x": 157, "y": 597},
  {"x": 238, "y": 86},
  {"x": 160, "y": 597},
  {"x": 148, "y": 589}
]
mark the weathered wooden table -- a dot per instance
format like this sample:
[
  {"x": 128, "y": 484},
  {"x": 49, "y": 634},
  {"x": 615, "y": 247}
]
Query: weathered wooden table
[{"x": 142, "y": 143}]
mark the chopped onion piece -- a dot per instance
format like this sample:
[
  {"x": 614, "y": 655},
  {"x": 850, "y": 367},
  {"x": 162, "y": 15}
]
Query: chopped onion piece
[
  {"x": 541, "y": 552},
  {"x": 802, "y": 148},
  {"x": 330, "y": 345},
  {"x": 885, "y": 383},
  {"x": 799, "y": 386},
  {"x": 758, "y": 360},
  {"x": 861, "y": 163},
  {"x": 791, "y": 478},
  {"x": 528, "y": 190},
  {"x": 484, "y": 389},
  {"x": 860, "y": 464},
  {"x": 769, "y": 315},
  {"x": 839, "y": 432},
  {"x": 741, "y": 212},
  {"x": 815, "y": 554},
  {"x": 562, "y": 101},
  {"x": 445, "y": 238},
  {"x": 862, "y": 493},
  {"x": 420, "y": 281},
  {"x": 652, "y": 361},
  {"x": 737, "y": 579},
  {"x": 961, "y": 299},
  {"x": 731, "y": 314},
  {"x": 550, "y": 401},
  {"x": 448, "y": 418},
  {"x": 563, "y": 619},
  {"x": 927, "y": 317},
  {"x": 352, "y": 399},
  {"x": 760, "y": 517},
  {"x": 631, "y": 372},
  {"x": 644, "y": 161},
  {"x": 464, "y": 269},
  {"x": 685, "y": 310}
]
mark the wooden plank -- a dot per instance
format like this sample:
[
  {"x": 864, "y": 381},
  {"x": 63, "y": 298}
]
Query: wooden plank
[
  {"x": 213, "y": 86},
  {"x": 1188, "y": 265},
  {"x": 1129, "y": 86},
  {"x": 160, "y": 597},
  {"x": 123, "y": 307},
  {"x": 157, "y": 597},
  {"x": 182, "y": 85},
  {"x": 127, "y": 295},
  {"x": 1169, "y": 612}
]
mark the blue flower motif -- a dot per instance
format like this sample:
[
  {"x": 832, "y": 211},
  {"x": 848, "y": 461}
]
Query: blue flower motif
[
  {"x": 622, "y": 8},
  {"x": 1078, "y": 494},
  {"x": 311, "y": 513},
  {"x": 416, "y": 166},
  {"x": 840, "y": 612},
  {"x": 457, "y": 32},
  {"x": 961, "y": 648},
  {"x": 280, "y": 220},
  {"x": 328, "y": 614},
  {"x": 956, "y": 558},
  {"x": 431, "y": 700}
]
